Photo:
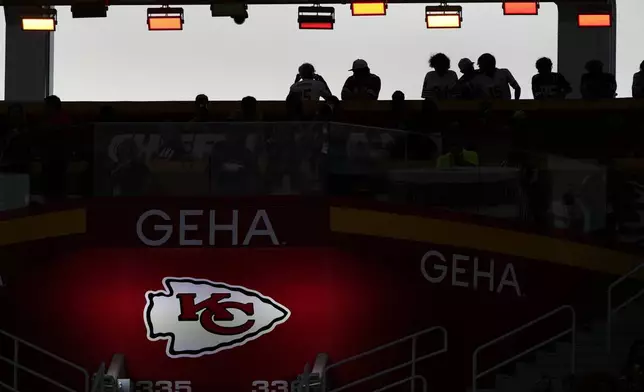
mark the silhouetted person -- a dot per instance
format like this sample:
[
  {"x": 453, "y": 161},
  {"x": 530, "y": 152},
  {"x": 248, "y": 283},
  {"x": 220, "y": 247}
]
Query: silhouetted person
[
  {"x": 399, "y": 113},
  {"x": 597, "y": 84},
  {"x": 547, "y": 84},
  {"x": 457, "y": 155},
  {"x": 638, "y": 82},
  {"x": 294, "y": 107},
  {"x": 55, "y": 148},
  {"x": 249, "y": 110},
  {"x": 492, "y": 82},
  {"x": 234, "y": 167},
  {"x": 130, "y": 175},
  {"x": 309, "y": 85},
  {"x": 362, "y": 85},
  {"x": 440, "y": 82},
  {"x": 398, "y": 105},
  {"x": 15, "y": 151},
  {"x": 202, "y": 109},
  {"x": 464, "y": 88}
]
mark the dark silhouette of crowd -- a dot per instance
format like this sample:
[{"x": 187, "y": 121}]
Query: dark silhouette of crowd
[{"x": 483, "y": 83}]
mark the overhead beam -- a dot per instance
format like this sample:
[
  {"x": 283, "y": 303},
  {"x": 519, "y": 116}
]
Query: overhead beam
[{"x": 264, "y": 2}]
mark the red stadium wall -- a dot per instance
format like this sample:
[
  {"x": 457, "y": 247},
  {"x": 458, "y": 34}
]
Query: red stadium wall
[{"x": 85, "y": 296}]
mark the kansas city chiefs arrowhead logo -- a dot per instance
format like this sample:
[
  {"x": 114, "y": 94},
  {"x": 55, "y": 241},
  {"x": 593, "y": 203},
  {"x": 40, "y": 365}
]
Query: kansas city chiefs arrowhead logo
[{"x": 199, "y": 317}]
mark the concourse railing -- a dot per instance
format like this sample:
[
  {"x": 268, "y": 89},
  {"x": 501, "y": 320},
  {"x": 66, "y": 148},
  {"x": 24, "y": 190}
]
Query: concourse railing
[
  {"x": 610, "y": 312},
  {"x": 17, "y": 367},
  {"x": 415, "y": 358},
  {"x": 476, "y": 374}
]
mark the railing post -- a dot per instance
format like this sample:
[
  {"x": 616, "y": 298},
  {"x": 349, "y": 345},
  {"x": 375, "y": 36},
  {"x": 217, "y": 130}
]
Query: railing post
[
  {"x": 15, "y": 364},
  {"x": 474, "y": 370},
  {"x": 573, "y": 349},
  {"x": 609, "y": 320},
  {"x": 413, "y": 363}
]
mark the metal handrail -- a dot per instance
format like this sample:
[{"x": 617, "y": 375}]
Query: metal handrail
[
  {"x": 412, "y": 362},
  {"x": 423, "y": 382},
  {"x": 610, "y": 311},
  {"x": 16, "y": 366},
  {"x": 99, "y": 379},
  {"x": 572, "y": 330}
]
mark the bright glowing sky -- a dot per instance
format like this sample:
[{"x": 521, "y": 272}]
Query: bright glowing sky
[{"x": 118, "y": 59}]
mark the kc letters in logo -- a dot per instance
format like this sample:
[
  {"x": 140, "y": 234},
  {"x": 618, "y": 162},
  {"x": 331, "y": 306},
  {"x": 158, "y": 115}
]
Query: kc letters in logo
[{"x": 199, "y": 317}]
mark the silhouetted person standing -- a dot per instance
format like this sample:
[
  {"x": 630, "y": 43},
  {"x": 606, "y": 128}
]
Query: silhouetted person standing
[
  {"x": 362, "y": 85},
  {"x": 249, "y": 109},
  {"x": 440, "y": 82},
  {"x": 638, "y": 82},
  {"x": 464, "y": 88},
  {"x": 597, "y": 84},
  {"x": 202, "y": 109},
  {"x": 55, "y": 148},
  {"x": 547, "y": 84},
  {"x": 492, "y": 82},
  {"x": 309, "y": 85}
]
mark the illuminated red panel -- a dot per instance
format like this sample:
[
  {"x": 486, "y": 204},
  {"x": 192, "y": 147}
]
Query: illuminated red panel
[
  {"x": 316, "y": 25},
  {"x": 165, "y": 23},
  {"x": 594, "y": 20},
  {"x": 520, "y": 8},
  {"x": 369, "y": 9}
]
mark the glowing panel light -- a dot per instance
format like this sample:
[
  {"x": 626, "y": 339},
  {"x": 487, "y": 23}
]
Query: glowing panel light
[
  {"x": 369, "y": 9},
  {"x": 38, "y": 24},
  {"x": 316, "y": 18},
  {"x": 42, "y": 21},
  {"x": 520, "y": 8},
  {"x": 316, "y": 25},
  {"x": 443, "y": 17},
  {"x": 594, "y": 20},
  {"x": 165, "y": 19}
]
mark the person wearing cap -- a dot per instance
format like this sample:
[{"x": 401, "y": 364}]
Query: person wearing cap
[
  {"x": 362, "y": 85},
  {"x": 464, "y": 88}
]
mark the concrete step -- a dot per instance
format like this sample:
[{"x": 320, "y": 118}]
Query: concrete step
[{"x": 590, "y": 353}]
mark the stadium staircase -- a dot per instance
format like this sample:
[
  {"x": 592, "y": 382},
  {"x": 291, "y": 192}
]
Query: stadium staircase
[{"x": 602, "y": 347}]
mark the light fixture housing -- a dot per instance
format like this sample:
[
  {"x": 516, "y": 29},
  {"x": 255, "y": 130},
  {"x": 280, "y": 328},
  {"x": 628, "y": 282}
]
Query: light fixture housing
[
  {"x": 444, "y": 16},
  {"x": 316, "y": 18},
  {"x": 96, "y": 9},
  {"x": 165, "y": 19},
  {"x": 511, "y": 7},
  {"x": 44, "y": 20},
  {"x": 237, "y": 11},
  {"x": 369, "y": 8},
  {"x": 595, "y": 15}
]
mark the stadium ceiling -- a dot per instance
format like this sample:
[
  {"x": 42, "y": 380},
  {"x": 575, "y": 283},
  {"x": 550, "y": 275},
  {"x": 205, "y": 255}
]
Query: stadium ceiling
[{"x": 28, "y": 3}]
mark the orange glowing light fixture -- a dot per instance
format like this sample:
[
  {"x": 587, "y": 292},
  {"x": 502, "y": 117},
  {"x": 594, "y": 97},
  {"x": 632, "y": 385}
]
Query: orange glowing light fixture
[
  {"x": 369, "y": 8},
  {"x": 41, "y": 21},
  {"x": 520, "y": 7},
  {"x": 165, "y": 19},
  {"x": 595, "y": 15},
  {"x": 594, "y": 20},
  {"x": 316, "y": 18},
  {"x": 444, "y": 17}
]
